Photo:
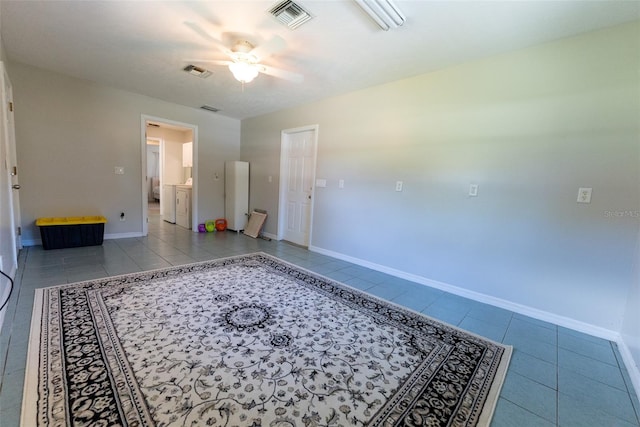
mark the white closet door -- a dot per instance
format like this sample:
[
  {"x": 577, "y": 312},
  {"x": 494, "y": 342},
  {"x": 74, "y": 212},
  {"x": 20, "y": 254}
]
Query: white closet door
[{"x": 236, "y": 189}]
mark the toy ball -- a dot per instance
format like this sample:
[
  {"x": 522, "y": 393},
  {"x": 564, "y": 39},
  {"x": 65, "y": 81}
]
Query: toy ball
[{"x": 221, "y": 224}]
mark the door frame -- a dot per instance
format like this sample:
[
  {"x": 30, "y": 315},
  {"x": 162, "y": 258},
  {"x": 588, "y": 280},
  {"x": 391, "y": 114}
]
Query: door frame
[
  {"x": 284, "y": 177},
  {"x": 160, "y": 142},
  {"x": 9, "y": 140},
  {"x": 144, "y": 118}
]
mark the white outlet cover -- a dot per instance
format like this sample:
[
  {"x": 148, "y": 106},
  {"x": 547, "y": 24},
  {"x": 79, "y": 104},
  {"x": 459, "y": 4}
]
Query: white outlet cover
[
  {"x": 321, "y": 183},
  {"x": 399, "y": 185},
  {"x": 584, "y": 195},
  {"x": 473, "y": 190},
  {"x": 341, "y": 183}
]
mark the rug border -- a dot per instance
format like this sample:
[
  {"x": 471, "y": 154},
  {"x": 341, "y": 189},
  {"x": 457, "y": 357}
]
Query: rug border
[
  {"x": 493, "y": 394},
  {"x": 32, "y": 368},
  {"x": 30, "y": 389}
]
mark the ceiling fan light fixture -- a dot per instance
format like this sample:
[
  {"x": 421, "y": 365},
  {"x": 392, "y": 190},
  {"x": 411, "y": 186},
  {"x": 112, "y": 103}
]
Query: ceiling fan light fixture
[
  {"x": 384, "y": 12},
  {"x": 244, "y": 72}
]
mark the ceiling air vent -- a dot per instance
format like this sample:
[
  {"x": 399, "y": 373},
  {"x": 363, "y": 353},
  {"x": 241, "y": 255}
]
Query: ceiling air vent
[
  {"x": 194, "y": 70},
  {"x": 210, "y": 108},
  {"x": 290, "y": 14}
]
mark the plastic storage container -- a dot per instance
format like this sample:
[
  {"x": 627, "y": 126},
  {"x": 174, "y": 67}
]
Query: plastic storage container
[{"x": 71, "y": 232}]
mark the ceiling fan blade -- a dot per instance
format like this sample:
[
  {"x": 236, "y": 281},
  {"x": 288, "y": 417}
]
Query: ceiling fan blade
[
  {"x": 281, "y": 74},
  {"x": 271, "y": 47},
  {"x": 208, "y": 61}
]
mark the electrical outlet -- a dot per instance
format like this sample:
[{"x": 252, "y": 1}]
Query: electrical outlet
[
  {"x": 341, "y": 183},
  {"x": 473, "y": 190},
  {"x": 122, "y": 218},
  {"x": 584, "y": 195},
  {"x": 398, "y": 185}
]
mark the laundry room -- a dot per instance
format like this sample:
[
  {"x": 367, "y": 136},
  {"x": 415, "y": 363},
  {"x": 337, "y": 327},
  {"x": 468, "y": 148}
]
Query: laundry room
[{"x": 169, "y": 172}]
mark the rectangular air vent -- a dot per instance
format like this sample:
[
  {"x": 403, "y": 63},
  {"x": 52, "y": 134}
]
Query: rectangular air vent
[
  {"x": 194, "y": 70},
  {"x": 290, "y": 14},
  {"x": 210, "y": 108}
]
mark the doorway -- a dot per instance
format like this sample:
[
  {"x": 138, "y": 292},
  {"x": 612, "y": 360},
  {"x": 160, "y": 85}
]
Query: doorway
[
  {"x": 169, "y": 159},
  {"x": 10, "y": 216},
  {"x": 297, "y": 176}
]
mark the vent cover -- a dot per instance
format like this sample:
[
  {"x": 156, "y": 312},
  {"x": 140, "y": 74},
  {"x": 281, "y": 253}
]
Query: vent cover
[
  {"x": 210, "y": 108},
  {"x": 290, "y": 14},
  {"x": 194, "y": 70}
]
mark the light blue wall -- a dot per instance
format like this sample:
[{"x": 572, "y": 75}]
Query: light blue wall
[
  {"x": 530, "y": 128},
  {"x": 71, "y": 134}
]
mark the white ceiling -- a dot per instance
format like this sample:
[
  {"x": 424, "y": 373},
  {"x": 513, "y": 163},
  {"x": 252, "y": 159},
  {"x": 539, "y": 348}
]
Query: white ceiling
[{"x": 141, "y": 46}]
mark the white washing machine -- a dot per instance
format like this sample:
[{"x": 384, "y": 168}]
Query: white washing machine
[{"x": 169, "y": 203}]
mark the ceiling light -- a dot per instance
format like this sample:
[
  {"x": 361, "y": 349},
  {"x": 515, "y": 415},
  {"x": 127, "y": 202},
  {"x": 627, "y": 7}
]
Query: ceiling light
[
  {"x": 244, "y": 72},
  {"x": 384, "y": 12}
]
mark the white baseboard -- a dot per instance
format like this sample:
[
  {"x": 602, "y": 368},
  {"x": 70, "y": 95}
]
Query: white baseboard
[
  {"x": 535, "y": 313},
  {"x": 31, "y": 242},
  {"x": 123, "y": 235},
  {"x": 632, "y": 366},
  {"x": 271, "y": 236},
  {"x": 111, "y": 236}
]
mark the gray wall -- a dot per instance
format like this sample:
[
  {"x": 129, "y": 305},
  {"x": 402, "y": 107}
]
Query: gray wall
[
  {"x": 530, "y": 128},
  {"x": 71, "y": 133}
]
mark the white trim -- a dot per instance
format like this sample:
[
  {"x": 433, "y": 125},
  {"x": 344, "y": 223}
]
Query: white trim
[
  {"x": 563, "y": 321},
  {"x": 546, "y": 316},
  {"x": 284, "y": 174},
  {"x": 632, "y": 369},
  {"x": 144, "y": 118},
  {"x": 111, "y": 236},
  {"x": 8, "y": 139},
  {"x": 270, "y": 236}
]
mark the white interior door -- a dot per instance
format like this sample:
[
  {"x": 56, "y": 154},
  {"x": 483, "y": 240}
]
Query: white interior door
[
  {"x": 11, "y": 161},
  {"x": 297, "y": 178}
]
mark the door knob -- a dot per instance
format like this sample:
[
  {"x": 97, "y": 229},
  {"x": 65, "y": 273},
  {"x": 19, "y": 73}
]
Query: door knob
[{"x": 15, "y": 187}]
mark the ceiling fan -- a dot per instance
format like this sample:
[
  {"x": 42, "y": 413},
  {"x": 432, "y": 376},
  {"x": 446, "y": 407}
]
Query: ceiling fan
[{"x": 245, "y": 58}]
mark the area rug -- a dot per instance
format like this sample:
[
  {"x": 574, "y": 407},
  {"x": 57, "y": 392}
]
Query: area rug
[{"x": 249, "y": 341}]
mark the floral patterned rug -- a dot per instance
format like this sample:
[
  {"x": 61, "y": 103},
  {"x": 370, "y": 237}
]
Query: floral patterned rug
[{"x": 249, "y": 341}]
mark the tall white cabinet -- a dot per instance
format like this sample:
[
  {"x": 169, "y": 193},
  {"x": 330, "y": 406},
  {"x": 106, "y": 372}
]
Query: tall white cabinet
[{"x": 236, "y": 194}]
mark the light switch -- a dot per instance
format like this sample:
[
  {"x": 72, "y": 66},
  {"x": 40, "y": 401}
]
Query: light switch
[
  {"x": 341, "y": 183},
  {"x": 398, "y": 185},
  {"x": 584, "y": 195},
  {"x": 118, "y": 170}
]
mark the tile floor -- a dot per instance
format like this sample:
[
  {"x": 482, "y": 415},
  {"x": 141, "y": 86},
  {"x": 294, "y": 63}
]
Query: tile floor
[{"x": 557, "y": 377}]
